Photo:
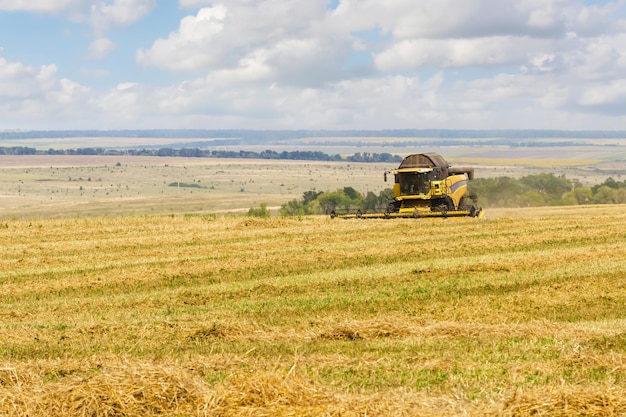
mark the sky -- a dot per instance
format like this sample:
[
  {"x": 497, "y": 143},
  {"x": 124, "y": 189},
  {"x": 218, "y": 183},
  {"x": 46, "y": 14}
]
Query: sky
[{"x": 312, "y": 64}]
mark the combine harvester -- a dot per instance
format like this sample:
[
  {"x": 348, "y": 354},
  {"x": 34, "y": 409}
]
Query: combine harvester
[{"x": 425, "y": 185}]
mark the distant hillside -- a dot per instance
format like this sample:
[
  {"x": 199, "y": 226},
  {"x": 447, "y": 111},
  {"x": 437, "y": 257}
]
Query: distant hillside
[{"x": 243, "y": 136}]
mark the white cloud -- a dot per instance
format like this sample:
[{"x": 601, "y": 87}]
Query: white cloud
[
  {"x": 193, "y": 47},
  {"x": 594, "y": 20},
  {"x": 127, "y": 102},
  {"x": 95, "y": 72},
  {"x": 100, "y": 14},
  {"x": 230, "y": 37},
  {"x": 103, "y": 15},
  {"x": 609, "y": 98},
  {"x": 408, "y": 19},
  {"x": 30, "y": 93},
  {"x": 100, "y": 48},
  {"x": 451, "y": 53},
  {"x": 194, "y": 3},
  {"x": 598, "y": 58},
  {"x": 365, "y": 64},
  {"x": 39, "y": 6}
]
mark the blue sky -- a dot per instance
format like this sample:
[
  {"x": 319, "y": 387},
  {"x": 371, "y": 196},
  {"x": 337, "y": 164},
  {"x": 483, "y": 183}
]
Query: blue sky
[{"x": 312, "y": 64}]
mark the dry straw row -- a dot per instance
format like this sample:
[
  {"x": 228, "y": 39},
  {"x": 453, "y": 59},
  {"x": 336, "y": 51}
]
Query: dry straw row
[{"x": 117, "y": 387}]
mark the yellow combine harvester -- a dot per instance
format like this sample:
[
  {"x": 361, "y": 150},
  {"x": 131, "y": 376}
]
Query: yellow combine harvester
[{"x": 425, "y": 185}]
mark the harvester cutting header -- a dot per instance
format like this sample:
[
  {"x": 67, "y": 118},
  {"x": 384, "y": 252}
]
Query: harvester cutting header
[{"x": 426, "y": 185}]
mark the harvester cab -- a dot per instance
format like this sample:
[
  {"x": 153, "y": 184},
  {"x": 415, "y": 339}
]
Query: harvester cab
[{"x": 426, "y": 185}]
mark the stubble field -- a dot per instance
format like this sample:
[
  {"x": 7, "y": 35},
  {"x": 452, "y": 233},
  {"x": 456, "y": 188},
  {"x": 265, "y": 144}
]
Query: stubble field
[{"x": 519, "y": 314}]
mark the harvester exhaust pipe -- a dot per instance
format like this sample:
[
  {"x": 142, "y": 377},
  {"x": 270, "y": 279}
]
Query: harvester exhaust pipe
[{"x": 462, "y": 170}]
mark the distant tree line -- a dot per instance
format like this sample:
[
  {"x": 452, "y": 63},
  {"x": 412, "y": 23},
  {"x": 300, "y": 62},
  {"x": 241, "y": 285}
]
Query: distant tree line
[
  {"x": 205, "y": 153},
  {"x": 267, "y": 154},
  {"x": 374, "y": 157},
  {"x": 17, "y": 150},
  {"x": 545, "y": 190},
  {"x": 529, "y": 191}
]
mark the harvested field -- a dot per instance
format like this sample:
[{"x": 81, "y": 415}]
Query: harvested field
[{"x": 519, "y": 314}]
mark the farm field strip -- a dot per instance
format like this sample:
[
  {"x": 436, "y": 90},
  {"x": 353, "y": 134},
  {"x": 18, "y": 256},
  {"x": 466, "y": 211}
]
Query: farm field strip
[{"x": 54, "y": 186}]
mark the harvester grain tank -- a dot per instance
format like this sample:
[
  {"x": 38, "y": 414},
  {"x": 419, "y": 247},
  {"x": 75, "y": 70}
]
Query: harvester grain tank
[{"x": 426, "y": 185}]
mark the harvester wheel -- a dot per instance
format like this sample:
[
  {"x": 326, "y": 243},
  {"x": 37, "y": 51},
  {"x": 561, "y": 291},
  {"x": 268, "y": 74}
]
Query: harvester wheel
[
  {"x": 393, "y": 207},
  {"x": 449, "y": 203},
  {"x": 443, "y": 205}
]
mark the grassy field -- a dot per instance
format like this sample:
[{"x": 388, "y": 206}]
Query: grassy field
[
  {"x": 34, "y": 187},
  {"x": 51, "y": 186},
  {"x": 521, "y": 313}
]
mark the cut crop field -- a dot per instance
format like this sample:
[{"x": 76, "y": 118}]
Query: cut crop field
[{"x": 518, "y": 314}]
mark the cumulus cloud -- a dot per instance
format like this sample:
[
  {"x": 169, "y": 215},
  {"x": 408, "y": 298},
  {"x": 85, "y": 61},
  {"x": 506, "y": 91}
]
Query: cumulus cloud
[
  {"x": 100, "y": 48},
  {"x": 194, "y": 46},
  {"x": 100, "y": 14},
  {"x": 598, "y": 58},
  {"x": 605, "y": 98},
  {"x": 103, "y": 15},
  {"x": 251, "y": 63},
  {"x": 230, "y": 39},
  {"x": 30, "y": 92},
  {"x": 363, "y": 64},
  {"x": 194, "y": 3},
  {"x": 39, "y": 6},
  {"x": 407, "y": 19},
  {"x": 455, "y": 53}
]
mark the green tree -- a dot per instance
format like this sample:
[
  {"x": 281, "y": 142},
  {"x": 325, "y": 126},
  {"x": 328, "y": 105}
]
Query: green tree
[
  {"x": 604, "y": 195},
  {"x": 569, "y": 199},
  {"x": 352, "y": 194},
  {"x": 499, "y": 192},
  {"x": 549, "y": 185},
  {"x": 609, "y": 182},
  {"x": 580, "y": 195},
  {"x": 370, "y": 202},
  {"x": 310, "y": 196},
  {"x": 534, "y": 198},
  {"x": 332, "y": 200},
  {"x": 620, "y": 196},
  {"x": 294, "y": 208},
  {"x": 373, "y": 202}
]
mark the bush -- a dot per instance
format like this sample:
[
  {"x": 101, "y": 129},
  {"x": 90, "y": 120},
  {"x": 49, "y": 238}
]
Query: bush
[
  {"x": 295, "y": 208},
  {"x": 347, "y": 198},
  {"x": 261, "y": 211}
]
